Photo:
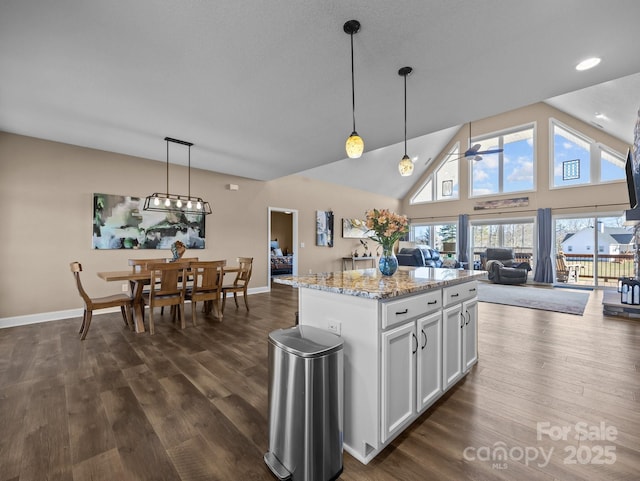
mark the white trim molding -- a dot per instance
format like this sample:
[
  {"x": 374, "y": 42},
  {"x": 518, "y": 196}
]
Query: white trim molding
[{"x": 73, "y": 313}]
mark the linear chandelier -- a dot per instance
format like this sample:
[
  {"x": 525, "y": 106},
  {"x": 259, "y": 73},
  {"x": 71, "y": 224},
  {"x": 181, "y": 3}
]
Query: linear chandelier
[{"x": 166, "y": 202}]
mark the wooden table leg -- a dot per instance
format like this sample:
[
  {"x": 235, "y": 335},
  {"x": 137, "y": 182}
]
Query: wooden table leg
[{"x": 138, "y": 305}]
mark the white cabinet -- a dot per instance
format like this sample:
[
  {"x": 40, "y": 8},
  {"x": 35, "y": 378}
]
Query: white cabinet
[
  {"x": 411, "y": 366},
  {"x": 429, "y": 360},
  {"x": 398, "y": 378},
  {"x": 470, "y": 334},
  {"x": 460, "y": 331},
  {"x": 452, "y": 323}
]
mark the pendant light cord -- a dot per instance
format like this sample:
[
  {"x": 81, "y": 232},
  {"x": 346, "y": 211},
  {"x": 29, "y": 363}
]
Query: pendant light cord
[
  {"x": 167, "y": 167},
  {"x": 353, "y": 87},
  {"x": 405, "y": 115}
]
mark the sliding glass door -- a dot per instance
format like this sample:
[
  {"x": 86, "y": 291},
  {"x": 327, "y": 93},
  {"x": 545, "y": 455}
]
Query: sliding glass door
[
  {"x": 592, "y": 250},
  {"x": 518, "y": 234}
]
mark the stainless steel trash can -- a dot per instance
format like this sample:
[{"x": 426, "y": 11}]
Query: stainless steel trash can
[{"x": 305, "y": 404}]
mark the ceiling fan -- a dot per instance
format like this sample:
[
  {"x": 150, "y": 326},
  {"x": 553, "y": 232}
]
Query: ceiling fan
[{"x": 474, "y": 151}]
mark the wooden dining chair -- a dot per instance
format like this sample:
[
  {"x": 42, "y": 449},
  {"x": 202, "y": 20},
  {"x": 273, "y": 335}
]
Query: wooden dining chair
[
  {"x": 167, "y": 288},
  {"x": 240, "y": 283},
  {"x": 94, "y": 303},
  {"x": 141, "y": 264},
  {"x": 206, "y": 286}
]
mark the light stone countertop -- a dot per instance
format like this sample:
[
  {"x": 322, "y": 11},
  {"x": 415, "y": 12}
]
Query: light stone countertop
[{"x": 369, "y": 283}]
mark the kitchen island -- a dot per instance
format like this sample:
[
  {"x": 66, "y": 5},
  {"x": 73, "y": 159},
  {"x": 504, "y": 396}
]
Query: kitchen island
[{"x": 408, "y": 338}]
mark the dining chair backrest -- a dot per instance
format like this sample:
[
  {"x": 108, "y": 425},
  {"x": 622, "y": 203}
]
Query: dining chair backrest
[
  {"x": 245, "y": 265},
  {"x": 76, "y": 269},
  {"x": 170, "y": 278},
  {"x": 184, "y": 259},
  {"x": 143, "y": 264},
  {"x": 207, "y": 276}
]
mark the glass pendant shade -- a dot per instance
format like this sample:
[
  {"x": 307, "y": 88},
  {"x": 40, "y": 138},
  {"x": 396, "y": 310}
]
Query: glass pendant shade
[
  {"x": 354, "y": 146},
  {"x": 405, "y": 166}
]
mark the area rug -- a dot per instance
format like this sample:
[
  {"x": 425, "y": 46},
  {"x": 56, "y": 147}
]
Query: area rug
[{"x": 546, "y": 299}]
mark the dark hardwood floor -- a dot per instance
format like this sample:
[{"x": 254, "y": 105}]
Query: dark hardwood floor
[{"x": 192, "y": 404}]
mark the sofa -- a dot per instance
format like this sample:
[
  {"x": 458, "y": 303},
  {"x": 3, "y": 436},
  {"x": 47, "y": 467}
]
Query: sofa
[
  {"x": 503, "y": 268},
  {"x": 422, "y": 256}
]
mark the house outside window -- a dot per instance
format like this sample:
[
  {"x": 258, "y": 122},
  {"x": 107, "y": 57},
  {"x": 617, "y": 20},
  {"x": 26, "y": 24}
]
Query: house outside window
[
  {"x": 509, "y": 171},
  {"x": 587, "y": 161}
]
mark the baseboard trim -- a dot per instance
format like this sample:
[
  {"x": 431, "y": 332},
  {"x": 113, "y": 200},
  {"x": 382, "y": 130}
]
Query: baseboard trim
[
  {"x": 71, "y": 313},
  {"x": 42, "y": 317}
]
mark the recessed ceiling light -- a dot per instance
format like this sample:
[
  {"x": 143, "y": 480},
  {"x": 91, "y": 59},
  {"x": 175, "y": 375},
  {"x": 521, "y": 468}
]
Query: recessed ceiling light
[
  {"x": 588, "y": 63},
  {"x": 601, "y": 116}
]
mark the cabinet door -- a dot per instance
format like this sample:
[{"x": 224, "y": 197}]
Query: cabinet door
[
  {"x": 429, "y": 361},
  {"x": 398, "y": 378},
  {"x": 470, "y": 334},
  {"x": 452, "y": 327}
]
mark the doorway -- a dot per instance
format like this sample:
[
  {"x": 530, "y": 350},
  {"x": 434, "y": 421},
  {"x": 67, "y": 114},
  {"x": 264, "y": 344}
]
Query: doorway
[{"x": 283, "y": 239}]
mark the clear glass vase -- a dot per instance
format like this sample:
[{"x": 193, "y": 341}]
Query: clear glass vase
[{"x": 388, "y": 263}]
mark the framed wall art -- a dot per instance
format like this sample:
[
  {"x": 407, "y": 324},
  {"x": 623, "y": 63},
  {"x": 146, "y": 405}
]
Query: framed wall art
[
  {"x": 324, "y": 228},
  {"x": 119, "y": 222},
  {"x": 355, "y": 229}
]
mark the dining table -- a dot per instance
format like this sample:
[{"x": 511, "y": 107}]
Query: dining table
[{"x": 137, "y": 280}]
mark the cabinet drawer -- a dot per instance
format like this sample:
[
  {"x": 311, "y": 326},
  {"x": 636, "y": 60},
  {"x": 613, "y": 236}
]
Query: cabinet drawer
[
  {"x": 433, "y": 300},
  {"x": 458, "y": 293},
  {"x": 395, "y": 312}
]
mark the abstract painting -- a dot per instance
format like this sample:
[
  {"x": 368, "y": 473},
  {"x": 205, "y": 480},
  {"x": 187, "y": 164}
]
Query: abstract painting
[
  {"x": 324, "y": 228},
  {"x": 355, "y": 229},
  {"x": 120, "y": 223}
]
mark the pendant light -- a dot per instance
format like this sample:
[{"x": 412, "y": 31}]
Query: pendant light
[
  {"x": 405, "y": 166},
  {"x": 354, "y": 145},
  {"x": 166, "y": 202}
]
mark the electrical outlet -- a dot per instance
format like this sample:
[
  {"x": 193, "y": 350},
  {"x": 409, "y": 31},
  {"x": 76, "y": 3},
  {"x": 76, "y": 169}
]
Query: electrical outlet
[
  {"x": 335, "y": 326},
  {"x": 310, "y": 271},
  {"x": 302, "y": 245},
  {"x": 125, "y": 288}
]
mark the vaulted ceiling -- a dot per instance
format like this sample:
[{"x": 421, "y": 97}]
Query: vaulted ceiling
[{"x": 263, "y": 89}]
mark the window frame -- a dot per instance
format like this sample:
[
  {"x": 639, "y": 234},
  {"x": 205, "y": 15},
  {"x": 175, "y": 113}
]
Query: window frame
[
  {"x": 432, "y": 177},
  {"x": 595, "y": 157},
  {"x": 434, "y": 239},
  {"x": 501, "y": 134}
]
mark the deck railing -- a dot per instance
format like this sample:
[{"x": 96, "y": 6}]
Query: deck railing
[{"x": 610, "y": 266}]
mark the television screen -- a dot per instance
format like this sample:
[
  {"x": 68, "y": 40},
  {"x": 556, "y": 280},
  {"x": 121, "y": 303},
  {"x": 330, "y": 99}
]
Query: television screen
[{"x": 631, "y": 180}]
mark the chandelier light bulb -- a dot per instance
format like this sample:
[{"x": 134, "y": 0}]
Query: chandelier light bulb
[
  {"x": 156, "y": 201},
  {"x": 199, "y": 205},
  {"x": 167, "y": 203},
  {"x": 189, "y": 204},
  {"x": 178, "y": 203}
]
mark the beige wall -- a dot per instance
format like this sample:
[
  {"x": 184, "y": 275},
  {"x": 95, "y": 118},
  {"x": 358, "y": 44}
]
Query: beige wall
[
  {"x": 596, "y": 198},
  {"x": 46, "y": 191}
]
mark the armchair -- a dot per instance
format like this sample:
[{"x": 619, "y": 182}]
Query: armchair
[{"x": 503, "y": 268}]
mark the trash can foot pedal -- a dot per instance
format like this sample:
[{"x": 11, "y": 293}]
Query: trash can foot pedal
[{"x": 276, "y": 467}]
